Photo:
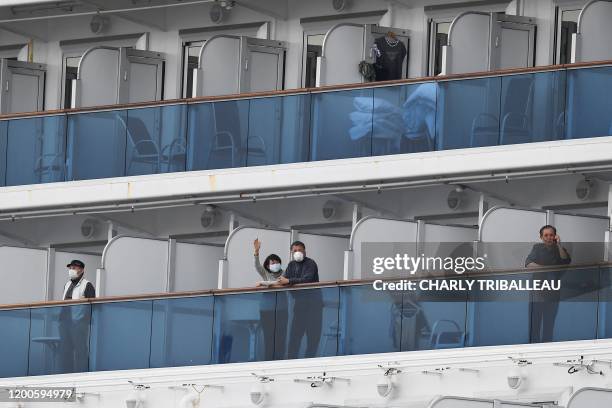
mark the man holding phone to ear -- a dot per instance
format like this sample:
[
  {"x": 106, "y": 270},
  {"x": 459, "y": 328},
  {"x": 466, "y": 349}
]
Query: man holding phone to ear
[{"x": 549, "y": 252}]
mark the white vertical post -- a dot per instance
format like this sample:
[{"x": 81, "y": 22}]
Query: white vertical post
[
  {"x": 223, "y": 272},
  {"x": 50, "y": 274},
  {"x": 170, "y": 266},
  {"x": 348, "y": 272}
]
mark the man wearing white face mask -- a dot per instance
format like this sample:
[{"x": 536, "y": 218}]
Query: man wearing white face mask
[
  {"x": 301, "y": 269},
  {"x": 77, "y": 286}
]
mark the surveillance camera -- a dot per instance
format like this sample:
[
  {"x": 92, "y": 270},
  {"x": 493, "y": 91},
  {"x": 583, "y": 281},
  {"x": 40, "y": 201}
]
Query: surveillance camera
[
  {"x": 384, "y": 387},
  {"x": 258, "y": 395}
]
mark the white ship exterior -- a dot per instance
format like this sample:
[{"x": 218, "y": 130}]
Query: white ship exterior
[{"x": 153, "y": 141}]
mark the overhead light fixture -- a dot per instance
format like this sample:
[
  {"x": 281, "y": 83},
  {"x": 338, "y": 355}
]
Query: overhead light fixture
[
  {"x": 515, "y": 379},
  {"x": 99, "y": 24},
  {"x": 136, "y": 398},
  {"x": 386, "y": 385},
  {"x": 258, "y": 393},
  {"x": 585, "y": 189}
]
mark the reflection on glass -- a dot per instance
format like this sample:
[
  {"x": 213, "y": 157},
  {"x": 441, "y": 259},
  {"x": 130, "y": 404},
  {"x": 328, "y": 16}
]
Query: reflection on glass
[
  {"x": 36, "y": 150},
  {"x": 59, "y": 340},
  {"x": 589, "y": 110},
  {"x": 604, "y": 325},
  {"x": 217, "y": 135},
  {"x": 181, "y": 332},
  {"x": 96, "y": 145},
  {"x": 485, "y": 309},
  {"x": 244, "y": 327},
  {"x": 313, "y": 325},
  {"x": 433, "y": 320},
  {"x": 156, "y": 140},
  {"x": 279, "y": 130},
  {"x": 532, "y": 107},
  {"x": 3, "y": 131},
  {"x": 468, "y": 113},
  {"x": 342, "y": 124},
  {"x": 382, "y": 310},
  {"x": 404, "y": 119},
  {"x": 568, "y": 314},
  {"x": 14, "y": 342},
  {"x": 314, "y": 49},
  {"x": 120, "y": 335}
]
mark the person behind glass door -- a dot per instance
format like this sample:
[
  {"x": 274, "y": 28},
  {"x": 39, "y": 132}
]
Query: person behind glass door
[
  {"x": 273, "y": 314},
  {"x": 545, "y": 305},
  {"x": 74, "y": 320},
  {"x": 307, "y": 304}
]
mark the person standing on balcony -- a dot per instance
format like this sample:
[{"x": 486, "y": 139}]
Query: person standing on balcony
[
  {"x": 545, "y": 305},
  {"x": 307, "y": 314},
  {"x": 74, "y": 320}
]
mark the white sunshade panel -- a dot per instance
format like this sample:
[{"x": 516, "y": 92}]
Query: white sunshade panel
[
  {"x": 143, "y": 82},
  {"x": 590, "y": 398},
  {"x": 21, "y": 267},
  {"x": 196, "y": 267},
  {"x": 470, "y": 44},
  {"x": 240, "y": 269},
  {"x": 575, "y": 229},
  {"x": 328, "y": 253},
  {"x": 374, "y": 230},
  {"x": 134, "y": 266},
  {"x": 263, "y": 68},
  {"x": 595, "y": 33},
  {"x": 343, "y": 52},
  {"x": 25, "y": 93},
  {"x": 99, "y": 78},
  {"x": 220, "y": 64},
  {"x": 459, "y": 240},
  {"x": 515, "y": 52}
]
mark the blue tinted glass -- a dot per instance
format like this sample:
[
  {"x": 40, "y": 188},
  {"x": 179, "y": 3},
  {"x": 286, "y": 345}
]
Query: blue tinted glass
[
  {"x": 468, "y": 113},
  {"x": 568, "y": 314},
  {"x": 3, "y": 130},
  {"x": 244, "y": 327},
  {"x": 589, "y": 110},
  {"x": 36, "y": 150},
  {"x": 120, "y": 335},
  {"x": 341, "y": 124},
  {"x": 604, "y": 326},
  {"x": 14, "y": 342},
  {"x": 59, "y": 339},
  {"x": 279, "y": 130},
  {"x": 96, "y": 145},
  {"x": 217, "y": 135},
  {"x": 404, "y": 119},
  {"x": 311, "y": 328},
  {"x": 382, "y": 310},
  {"x": 532, "y": 107},
  {"x": 433, "y": 320},
  {"x": 181, "y": 332},
  {"x": 156, "y": 139},
  {"x": 485, "y": 309}
]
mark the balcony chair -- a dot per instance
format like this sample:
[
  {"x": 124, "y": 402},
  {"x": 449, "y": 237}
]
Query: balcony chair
[{"x": 446, "y": 334}]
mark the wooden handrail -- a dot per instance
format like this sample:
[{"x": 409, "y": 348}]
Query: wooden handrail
[
  {"x": 353, "y": 282},
  {"x": 298, "y": 91}
]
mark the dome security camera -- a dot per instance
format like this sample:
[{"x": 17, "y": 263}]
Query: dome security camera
[{"x": 384, "y": 387}]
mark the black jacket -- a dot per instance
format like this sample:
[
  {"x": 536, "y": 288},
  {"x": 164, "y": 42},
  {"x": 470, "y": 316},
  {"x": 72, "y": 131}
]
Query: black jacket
[{"x": 302, "y": 272}]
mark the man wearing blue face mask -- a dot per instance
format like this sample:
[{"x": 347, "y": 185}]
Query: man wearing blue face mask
[{"x": 301, "y": 269}]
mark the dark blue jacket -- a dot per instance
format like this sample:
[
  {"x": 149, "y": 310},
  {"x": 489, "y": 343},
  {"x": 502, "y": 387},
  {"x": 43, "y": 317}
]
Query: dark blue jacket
[{"x": 302, "y": 272}]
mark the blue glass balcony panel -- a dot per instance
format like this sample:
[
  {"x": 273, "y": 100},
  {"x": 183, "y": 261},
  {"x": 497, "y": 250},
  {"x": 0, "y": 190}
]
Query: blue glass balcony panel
[
  {"x": 532, "y": 107},
  {"x": 36, "y": 150},
  {"x": 433, "y": 320},
  {"x": 404, "y": 119},
  {"x": 244, "y": 327},
  {"x": 156, "y": 140},
  {"x": 342, "y": 124},
  {"x": 312, "y": 324},
  {"x": 589, "y": 106},
  {"x": 14, "y": 342},
  {"x": 59, "y": 340},
  {"x": 604, "y": 324},
  {"x": 181, "y": 333},
  {"x": 3, "y": 131},
  {"x": 120, "y": 335},
  {"x": 217, "y": 135},
  {"x": 569, "y": 314},
  {"x": 279, "y": 130},
  {"x": 382, "y": 310},
  {"x": 485, "y": 309},
  {"x": 96, "y": 145},
  {"x": 468, "y": 113}
]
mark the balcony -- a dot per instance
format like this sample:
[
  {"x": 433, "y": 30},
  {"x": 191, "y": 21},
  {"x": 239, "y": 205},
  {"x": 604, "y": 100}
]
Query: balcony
[
  {"x": 342, "y": 318},
  {"x": 411, "y": 116}
]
